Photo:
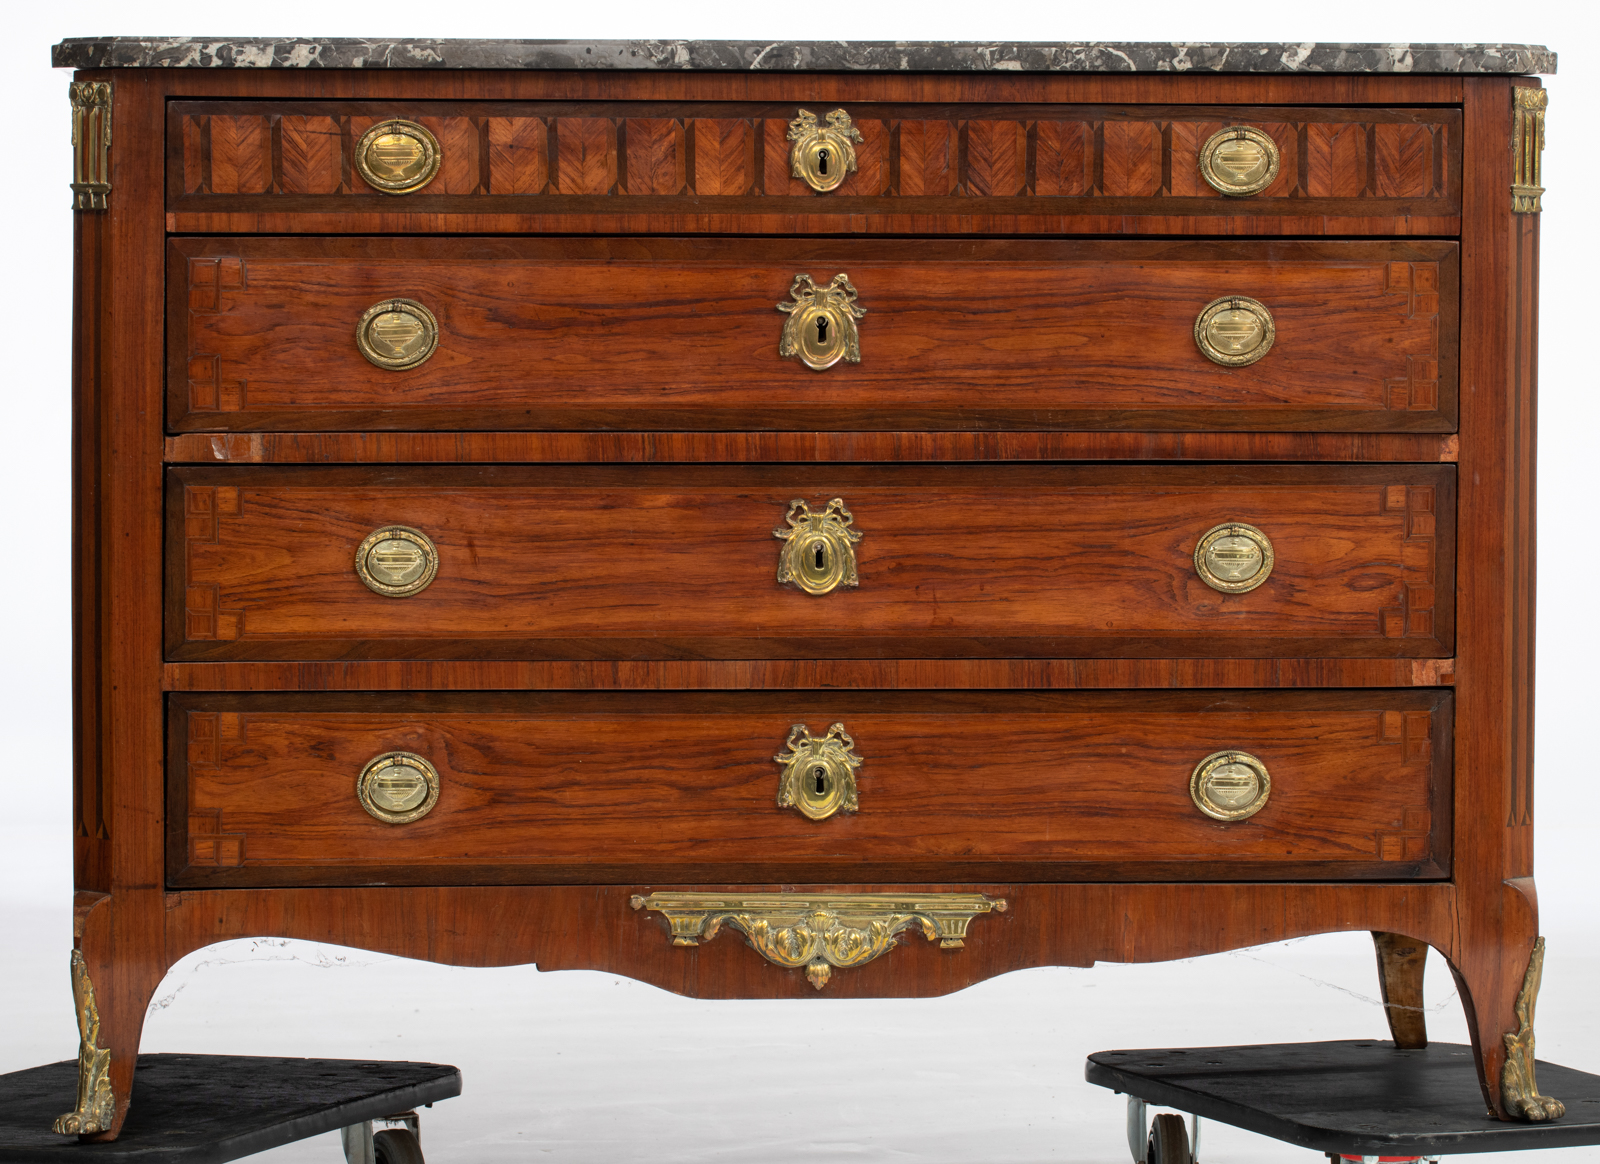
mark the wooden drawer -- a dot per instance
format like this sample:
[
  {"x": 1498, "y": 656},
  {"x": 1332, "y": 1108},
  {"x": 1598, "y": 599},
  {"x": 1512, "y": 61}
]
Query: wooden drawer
[
  {"x": 639, "y": 334},
  {"x": 671, "y": 787},
  {"x": 682, "y": 562},
  {"x": 687, "y": 165}
]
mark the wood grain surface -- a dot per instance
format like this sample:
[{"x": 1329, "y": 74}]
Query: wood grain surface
[
  {"x": 1196, "y": 87},
  {"x": 681, "y": 561},
  {"x": 671, "y": 333},
  {"x": 682, "y": 95},
  {"x": 643, "y": 447},
  {"x": 926, "y": 159},
  {"x": 1499, "y": 917},
  {"x": 799, "y": 674},
  {"x": 118, "y": 716},
  {"x": 591, "y": 927},
  {"x": 982, "y": 218},
  {"x": 679, "y": 787}
]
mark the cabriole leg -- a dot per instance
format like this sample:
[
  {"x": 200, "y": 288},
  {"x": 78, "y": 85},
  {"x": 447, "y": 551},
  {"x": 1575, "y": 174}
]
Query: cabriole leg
[
  {"x": 1518, "y": 1089},
  {"x": 1492, "y": 995},
  {"x": 111, "y": 991},
  {"x": 1401, "y": 963}
]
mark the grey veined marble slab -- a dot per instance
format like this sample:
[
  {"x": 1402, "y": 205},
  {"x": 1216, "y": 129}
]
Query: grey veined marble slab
[{"x": 799, "y": 56}]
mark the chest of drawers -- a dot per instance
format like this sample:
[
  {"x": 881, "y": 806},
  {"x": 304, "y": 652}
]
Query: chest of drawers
[{"x": 725, "y": 517}]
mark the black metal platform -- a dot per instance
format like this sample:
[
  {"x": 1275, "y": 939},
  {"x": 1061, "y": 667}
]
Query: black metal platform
[
  {"x": 1354, "y": 1098},
  {"x": 205, "y": 1109}
]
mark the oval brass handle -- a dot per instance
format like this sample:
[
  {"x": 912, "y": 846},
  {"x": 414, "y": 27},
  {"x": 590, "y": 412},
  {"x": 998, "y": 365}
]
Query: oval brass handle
[
  {"x": 819, "y": 553},
  {"x": 821, "y": 328},
  {"x": 1239, "y": 161},
  {"x": 398, "y": 787},
  {"x": 1230, "y": 785},
  {"x": 819, "y": 772},
  {"x": 398, "y": 157},
  {"x": 1234, "y": 331},
  {"x": 1233, "y": 557},
  {"x": 397, "y": 334},
  {"x": 823, "y": 156},
  {"x": 397, "y": 561}
]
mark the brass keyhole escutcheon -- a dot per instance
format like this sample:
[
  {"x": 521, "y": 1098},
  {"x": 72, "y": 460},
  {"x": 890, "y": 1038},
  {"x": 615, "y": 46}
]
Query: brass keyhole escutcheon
[
  {"x": 397, "y": 334},
  {"x": 821, "y": 329},
  {"x": 820, "y": 568},
  {"x": 819, "y": 553},
  {"x": 1234, "y": 331},
  {"x": 398, "y": 787},
  {"x": 1239, "y": 161},
  {"x": 397, "y": 561},
  {"x": 1230, "y": 785},
  {"x": 824, "y": 155},
  {"x": 819, "y": 772},
  {"x": 1233, "y": 557},
  {"x": 398, "y": 157}
]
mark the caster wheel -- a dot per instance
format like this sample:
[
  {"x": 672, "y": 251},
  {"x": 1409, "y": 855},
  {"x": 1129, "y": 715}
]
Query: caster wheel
[
  {"x": 399, "y": 1146},
  {"x": 1169, "y": 1141}
]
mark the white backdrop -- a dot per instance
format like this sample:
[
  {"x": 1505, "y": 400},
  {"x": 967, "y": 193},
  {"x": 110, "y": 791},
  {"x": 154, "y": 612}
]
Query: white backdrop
[{"x": 581, "y": 1067}]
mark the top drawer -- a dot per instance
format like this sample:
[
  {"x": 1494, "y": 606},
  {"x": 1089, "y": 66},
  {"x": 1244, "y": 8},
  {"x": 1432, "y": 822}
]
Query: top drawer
[{"x": 757, "y": 167}]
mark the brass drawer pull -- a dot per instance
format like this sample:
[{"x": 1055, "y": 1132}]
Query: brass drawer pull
[
  {"x": 819, "y": 554},
  {"x": 397, "y": 334},
  {"x": 820, "y": 933},
  {"x": 823, "y": 156},
  {"x": 821, "y": 328},
  {"x": 1234, "y": 331},
  {"x": 819, "y": 772},
  {"x": 1233, "y": 557},
  {"x": 398, "y": 157},
  {"x": 1230, "y": 785},
  {"x": 398, "y": 787},
  {"x": 397, "y": 561},
  {"x": 1239, "y": 161}
]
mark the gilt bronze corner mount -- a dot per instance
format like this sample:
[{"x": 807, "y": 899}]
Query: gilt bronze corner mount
[
  {"x": 96, "y": 1109},
  {"x": 1528, "y": 107},
  {"x": 1519, "y": 1091},
  {"x": 91, "y": 143}
]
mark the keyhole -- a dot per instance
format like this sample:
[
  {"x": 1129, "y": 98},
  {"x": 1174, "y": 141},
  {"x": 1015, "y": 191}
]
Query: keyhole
[
  {"x": 822, "y": 161},
  {"x": 821, "y": 777},
  {"x": 822, "y": 557},
  {"x": 822, "y": 329}
]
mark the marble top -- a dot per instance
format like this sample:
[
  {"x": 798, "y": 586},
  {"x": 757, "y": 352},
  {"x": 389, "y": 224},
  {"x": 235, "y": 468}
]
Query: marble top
[{"x": 134, "y": 52}]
